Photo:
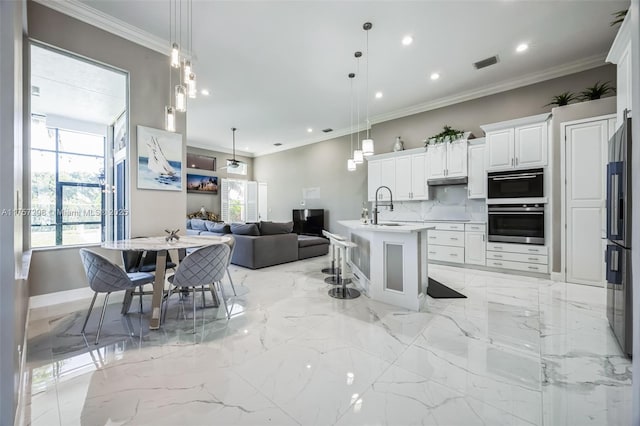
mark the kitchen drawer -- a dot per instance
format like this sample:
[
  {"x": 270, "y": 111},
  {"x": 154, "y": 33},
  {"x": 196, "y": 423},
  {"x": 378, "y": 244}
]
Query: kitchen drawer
[
  {"x": 446, "y": 254},
  {"x": 518, "y": 266},
  {"x": 518, "y": 257},
  {"x": 518, "y": 248},
  {"x": 475, "y": 227},
  {"x": 447, "y": 226},
  {"x": 446, "y": 238}
]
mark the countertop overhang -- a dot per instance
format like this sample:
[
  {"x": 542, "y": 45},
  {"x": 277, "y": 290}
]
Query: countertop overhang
[{"x": 386, "y": 226}]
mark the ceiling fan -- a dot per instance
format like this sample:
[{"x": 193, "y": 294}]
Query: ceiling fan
[{"x": 233, "y": 163}]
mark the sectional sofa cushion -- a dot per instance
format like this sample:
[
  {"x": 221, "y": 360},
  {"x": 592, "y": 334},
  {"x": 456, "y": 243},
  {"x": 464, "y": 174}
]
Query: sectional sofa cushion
[
  {"x": 199, "y": 224},
  {"x": 219, "y": 228},
  {"x": 275, "y": 228},
  {"x": 244, "y": 229}
]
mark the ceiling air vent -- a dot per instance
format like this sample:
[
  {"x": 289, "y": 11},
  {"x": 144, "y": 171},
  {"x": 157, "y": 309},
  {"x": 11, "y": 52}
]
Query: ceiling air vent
[
  {"x": 327, "y": 130},
  {"x": 277, "y": 144},
  {"x": 486, "y": 62}
]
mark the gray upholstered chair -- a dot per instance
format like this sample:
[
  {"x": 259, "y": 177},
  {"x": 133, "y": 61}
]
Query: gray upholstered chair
[
  {"x": 106, "y": 277},
  {"x": 205, "y": 266},
  {"x": 232, "y": 244}
]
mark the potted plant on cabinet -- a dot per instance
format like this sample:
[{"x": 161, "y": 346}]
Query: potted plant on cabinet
[
  {"x": 597, "y": 91},
  {"x": 448, "y": 134},
  {"x": 562, "y": 99}
]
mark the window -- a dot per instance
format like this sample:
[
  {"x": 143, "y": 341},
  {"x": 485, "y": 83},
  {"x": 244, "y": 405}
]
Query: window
[
  {"x": 236, "y": 195},
  {"x": 67, "y": 197}
]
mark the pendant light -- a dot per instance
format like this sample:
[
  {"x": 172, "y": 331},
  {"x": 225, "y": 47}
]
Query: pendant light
[
  {"x": 358, "y": 157},
  {"x": 351, "y": 165},
  {"x": 367, "y": 144},
  {"x": 169, "y": 112},
  {"x": 181, "y": 98},
  {"x": 175, "y": 55},
  {"x": 191, "y": 86},
  {"x": 186, "y": 70},
  {"x": 169, "y": 119}
]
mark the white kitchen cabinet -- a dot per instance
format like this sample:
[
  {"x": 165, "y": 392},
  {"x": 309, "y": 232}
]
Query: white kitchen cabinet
[
  {"x": 530, "y": 146},
  {"x": 519, "y": 257},
  {"x": 517, "y": 144},
  {"x": 448, "y": 159},
  {"x": 373, "y": 178},
  {"x": 499, "y": 149},
  {"x": 419, "y": 188},
  {"x": 410, "y": 182},
  {"x": 477, "y": 184},
  {"x": 475, "y": 248},
  {"x": 621, "y": 55},
  {"x": 387, "y": 178}
]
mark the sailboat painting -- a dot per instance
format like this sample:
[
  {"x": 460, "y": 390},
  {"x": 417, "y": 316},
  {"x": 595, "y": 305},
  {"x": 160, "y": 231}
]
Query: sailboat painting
[{"x": 159, "y": 159}]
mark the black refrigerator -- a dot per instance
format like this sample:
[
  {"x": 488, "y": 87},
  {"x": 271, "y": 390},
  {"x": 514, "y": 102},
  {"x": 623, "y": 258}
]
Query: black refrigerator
[{"x": 618, "y": 254}]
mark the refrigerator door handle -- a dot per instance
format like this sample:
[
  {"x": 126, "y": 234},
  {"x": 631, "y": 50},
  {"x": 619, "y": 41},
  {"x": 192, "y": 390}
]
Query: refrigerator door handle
[{"x": 614, "y": 260}]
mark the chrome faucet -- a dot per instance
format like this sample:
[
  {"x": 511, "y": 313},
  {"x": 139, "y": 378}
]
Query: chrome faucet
[{"x": 389, "y": 204}]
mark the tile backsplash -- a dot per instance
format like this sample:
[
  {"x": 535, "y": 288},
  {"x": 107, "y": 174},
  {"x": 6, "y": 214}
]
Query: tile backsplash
[{"x": 445, "y": 203}]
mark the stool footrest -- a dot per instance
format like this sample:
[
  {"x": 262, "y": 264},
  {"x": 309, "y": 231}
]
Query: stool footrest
[
  {"x": 336, "y": 281},
  {"x": 331, "y": 271}
]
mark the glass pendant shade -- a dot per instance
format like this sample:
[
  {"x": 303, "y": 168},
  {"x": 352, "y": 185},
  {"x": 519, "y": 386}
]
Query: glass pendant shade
[
  {"x": 181, "y": 98},
  {"x": 191, "y": 86},
  {"x": 351, "y": 165},
  {"x": 175, "y": 55},
  {"x": 169, "y": 119},
  {"x": 367, "y": 147},
  {"x": 358, "y": 158},
  {"x": 187, "y": 71}
]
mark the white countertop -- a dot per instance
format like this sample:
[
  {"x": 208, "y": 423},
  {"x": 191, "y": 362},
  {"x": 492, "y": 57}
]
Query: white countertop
[{"x": 396, "y": 227}]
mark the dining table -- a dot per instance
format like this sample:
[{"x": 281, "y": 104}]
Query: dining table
[{"x": 161, "y": 246}]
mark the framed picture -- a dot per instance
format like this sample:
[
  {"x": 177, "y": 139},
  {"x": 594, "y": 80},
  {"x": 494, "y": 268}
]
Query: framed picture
[
  {"x": 202, "y": 184},
  {"x": 159, "y": 159},
  {"x": 120, "y": 132}
]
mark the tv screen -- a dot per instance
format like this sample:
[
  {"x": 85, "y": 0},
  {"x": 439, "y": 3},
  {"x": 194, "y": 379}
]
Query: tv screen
[{"x": 308, "y": 221}]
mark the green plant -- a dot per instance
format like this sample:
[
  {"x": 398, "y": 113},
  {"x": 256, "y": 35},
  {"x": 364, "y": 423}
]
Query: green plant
[
  {"x": 562, "y": 99},
  {"x": 619, "y": 17},
  {"x": 597, "y": 91},
  {"x": 448, "y": 133}
]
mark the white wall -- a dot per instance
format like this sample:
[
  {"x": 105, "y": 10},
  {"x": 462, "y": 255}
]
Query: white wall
[{"x": 13, "y": 296}]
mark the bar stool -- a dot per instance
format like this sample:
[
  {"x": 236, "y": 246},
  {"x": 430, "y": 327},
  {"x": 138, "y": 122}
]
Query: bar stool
[
  {"x": 343, "y": 292},
  {"x": 334, "y": 241},
  {"x": 332, "y": 270}
]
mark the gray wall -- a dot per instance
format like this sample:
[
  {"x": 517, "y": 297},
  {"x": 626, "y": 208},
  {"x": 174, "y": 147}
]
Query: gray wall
[
  {"x": 212, "y": 202},
  {"x": 13, "y": 296},
  {"x": 342, "y": 193},
  {"x": 562, "y": 115},
  {"x": 150, "y": 211},
  {"x": 322, "y": 165}
]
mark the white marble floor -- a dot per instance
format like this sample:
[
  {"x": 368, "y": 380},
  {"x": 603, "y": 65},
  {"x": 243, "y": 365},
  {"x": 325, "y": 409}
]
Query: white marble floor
[{"x": 517, "y": 351}]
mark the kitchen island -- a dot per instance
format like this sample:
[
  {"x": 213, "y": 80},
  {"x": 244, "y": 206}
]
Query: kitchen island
[{"x": 390, "y": 262}]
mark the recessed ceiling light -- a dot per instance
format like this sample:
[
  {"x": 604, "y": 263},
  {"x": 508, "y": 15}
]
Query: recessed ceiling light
[
  {"x": 205, "y": 92},
  {"x": 277, "y": 144},
  {"x": 247, "y": 148},
  {"x": 378, "y": 95},
  {"x": 309, "y": 130},
  {"x": 407, "y": 40},
  {"x": 522, "y": 47},
  {"x": 435, "y": 76}
]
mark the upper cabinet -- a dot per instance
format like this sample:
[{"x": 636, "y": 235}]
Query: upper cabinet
[
  {"x": 448, "y": 159},
  {"x": 477, "y": 184},
  {"x": 620, "y": 54},
  {"x": 517, "y": 144},
  {"x": 405, "y": 173},
  {"x": 381, "y": 172}
]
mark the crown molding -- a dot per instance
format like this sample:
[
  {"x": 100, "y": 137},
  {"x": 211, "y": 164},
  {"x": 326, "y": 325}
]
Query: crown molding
[
  {"x": 217, "y": 148},
  {"x": 548, "y": 74},
  {"x": 92, "y": 16}
]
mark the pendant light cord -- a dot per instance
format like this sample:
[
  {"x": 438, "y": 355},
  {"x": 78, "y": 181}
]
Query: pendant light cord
[
  {"x": 351, "y": 114},
  {"x": 358, "y": 99},
  {"x": 367, "y": 86}
]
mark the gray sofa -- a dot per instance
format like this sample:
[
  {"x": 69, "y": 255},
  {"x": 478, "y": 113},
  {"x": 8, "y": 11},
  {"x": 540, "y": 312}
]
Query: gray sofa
[{"x": 263, "y": 244}]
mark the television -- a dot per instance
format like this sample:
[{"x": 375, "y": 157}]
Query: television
[{"x": 308, "y": 221}]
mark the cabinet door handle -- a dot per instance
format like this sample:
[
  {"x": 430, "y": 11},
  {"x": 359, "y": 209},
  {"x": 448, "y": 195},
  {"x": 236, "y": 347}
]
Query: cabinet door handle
[
  {"x": 453, "y": 254},
  {"x": 469, "y": 193},
  {"x": 483, "y": 238},
  {"x": 497, "y": 247},
  {"x": 432, "y": 238},
  {"x": 533, "y": 258},
  {"x": 516, "y": 161},
  {"x": 534, "y": 268},
  {"x": 533, "y": 250},
  {"x": 432, "y": 252},
  {"x": 453, "y": 238},
  {"x": 498, "y": 256},
  {"x": 512, "y": 161},
  {"x": 497, "y": 263}
]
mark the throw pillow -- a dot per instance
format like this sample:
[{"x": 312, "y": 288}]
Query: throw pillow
[
  {"x": 198, "y": 225},
  {"x": 274, "y": 228},
  {"x": 245, "y": 229},
  {"x": 188, "y": 223},
  {"x": 218, "y": 227}
]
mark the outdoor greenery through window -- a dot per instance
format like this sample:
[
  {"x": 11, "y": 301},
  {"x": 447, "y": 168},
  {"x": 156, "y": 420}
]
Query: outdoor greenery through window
[
  {"x": 237, "y": 197},
  {"x": 67, "y": 200}
]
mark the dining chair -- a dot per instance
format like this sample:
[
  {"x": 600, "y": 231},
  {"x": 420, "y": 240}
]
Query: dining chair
[
  {"x": 205, "y": 266},
  {"x": 232, "y": 244},
  {"x": 107, "y": 277}
]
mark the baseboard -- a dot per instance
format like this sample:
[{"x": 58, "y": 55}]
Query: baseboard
[
  {"x": 557, "y": 276},
  {"x": 59, "y": 297},
  {"x": 491, "y": 269}
]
